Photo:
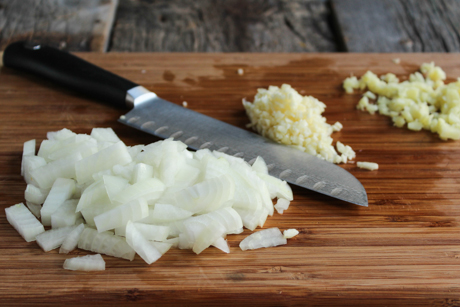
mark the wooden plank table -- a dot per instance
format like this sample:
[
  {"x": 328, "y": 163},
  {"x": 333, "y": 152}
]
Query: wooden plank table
[
  {"x": 235, "y": 25},
  {"x": 82, "y": 25},
  {"x": 398, "y": 25},
  {"x": 404, "y": 249}
]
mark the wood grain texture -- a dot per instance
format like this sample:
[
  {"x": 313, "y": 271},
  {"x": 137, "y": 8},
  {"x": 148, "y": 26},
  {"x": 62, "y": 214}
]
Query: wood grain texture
[
  {"x": 399, "y": 25},
  {"x": 402, "y": 250},
  {"x": 223, "y": 26},
  {"x": 68, "y": 24}
]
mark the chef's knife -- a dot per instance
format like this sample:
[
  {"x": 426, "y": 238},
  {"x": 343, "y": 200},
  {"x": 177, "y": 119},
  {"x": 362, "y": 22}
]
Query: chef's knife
[{"x": 164, "y": 119}]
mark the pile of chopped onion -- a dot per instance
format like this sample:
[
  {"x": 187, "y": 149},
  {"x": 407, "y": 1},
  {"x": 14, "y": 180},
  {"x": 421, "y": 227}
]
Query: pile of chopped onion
[{"x": 100, "y": 195}]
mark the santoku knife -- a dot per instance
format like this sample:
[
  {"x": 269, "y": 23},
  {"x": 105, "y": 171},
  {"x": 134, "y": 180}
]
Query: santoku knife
[{"x": 164, "y": 119}]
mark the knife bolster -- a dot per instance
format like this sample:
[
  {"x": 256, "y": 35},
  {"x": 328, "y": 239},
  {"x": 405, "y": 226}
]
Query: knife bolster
[{"x": 138, "y": 95}]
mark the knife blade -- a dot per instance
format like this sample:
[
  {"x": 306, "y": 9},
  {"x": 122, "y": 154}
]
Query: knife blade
[{"x": 164, "y": 119}]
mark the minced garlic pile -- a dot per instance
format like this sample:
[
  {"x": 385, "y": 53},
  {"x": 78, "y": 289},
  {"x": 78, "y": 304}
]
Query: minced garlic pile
[
  {"x": 422, "y": 102},
  {"x": 287, "y": 117}
]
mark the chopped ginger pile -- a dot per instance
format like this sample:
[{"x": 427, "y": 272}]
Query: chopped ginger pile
[{"x": 422, "y": 102}]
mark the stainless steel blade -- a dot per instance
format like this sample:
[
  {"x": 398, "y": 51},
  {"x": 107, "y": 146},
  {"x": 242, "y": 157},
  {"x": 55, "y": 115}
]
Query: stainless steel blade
[{"x": 165, "y": 119}]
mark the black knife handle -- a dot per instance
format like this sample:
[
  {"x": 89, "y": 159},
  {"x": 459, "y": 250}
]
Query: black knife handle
[{"x": 68, "y": 70}]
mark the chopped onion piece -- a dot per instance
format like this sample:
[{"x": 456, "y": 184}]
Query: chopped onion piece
[
  {"x": 95, "y": 193},
  {"x": 251, "y": 218},
  {"x": 104, "y": 135},
  {"x": 35, "y": 195},
  {"x": 61, "y": 191},
  {"x": 141, "y": 172},
  {"x": 24, "y": 222},
  {"x": 134, "y": 151},
  {"x": 96, "y": 209},
  {"x": 206, "y": 196},
  {"x": 60, "y": 135},
  {"x": 114, "y": 185},
  {"x": 85, "y": 146},
  {"x": 208, "y": 237},
  {"x": 71, "y": 240},
  {"x": 264, "y": 238},
  {"x": 85, "y": 263},
  {"x": 277, "y": 187},
  {"x": 202, "y": 235},
  {"x": 222, "y": 244},
  {"x": 259, "y": 166},
  {"x": 28, "y": 150},
  {"x": 141, "y": 245},
  {"x": 227, "y": 217},
  {"x": 167, "y": 213},
  {"x": 53, "y": 238},
  {"x": 105, "y": 243},
  {"x": 153, "y": 232},
  {"x": 65, "y": 215},
  {"x": 34, "y": 208},
  {"x": 117, "y": 217},
  {"x": 149, "y": 189},
  {"x": 29, "y": 164},
  {"x": 173, "y": 241},
  {"x": 248, "y": 176},
  {"x": 45, "y": 148},
  {"x": 290, "y": 233},
  {"x": 124, "y": 171},
  {"x": 102, "y": 160},
  {"x": 162, "y": 247},
  {"x": 46, "y": 175},
  {"x": 281, "y": 205}
]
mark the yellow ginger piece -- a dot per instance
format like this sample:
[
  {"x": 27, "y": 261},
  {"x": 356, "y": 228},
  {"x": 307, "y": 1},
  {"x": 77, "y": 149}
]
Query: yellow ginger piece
[{"x": 422, "y": 102}]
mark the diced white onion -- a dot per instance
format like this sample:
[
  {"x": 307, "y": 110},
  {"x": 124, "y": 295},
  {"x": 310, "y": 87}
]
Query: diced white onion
[
  {"x": 105, "y": 135},
  {"x": 65, "y": 215},
  {"x": 104, "y": 159},
  {"x": 61, "y": 191},
  {"x": 222, "y": 244},
  {"x": 153, "y": 232},
  {"x": 95, "y": 193},
  {"x": 168, "y": 213},
  {"x": 85, "y": 263},
  {"x": 29, "y": 164},
  {"x": 290, "y": 233},
  {"x": 149, "y": 189},
  {"x": 46, "y": 175},
  {"x": 35, "y": 195},
  {"x": 142, "y": 172},
  {"x": 105, "y": 243},
  {"x": 114, "y": 185},
  {"x": 71, "y": 240},
  {"x": 53, "y": 238},
  {"x": 24, "y": 222},
  {"x": 145, "y": 249},
  {"x": 119, "y": 216},
  {"x": 28, "y": 150},
  {"x": 162, "y": 247},
  {"x": 281, "y": 205},
  {"x": 34, "y": 208},
  {"x": 141, "y": 199},
  {"x": 264, "y": 238}
]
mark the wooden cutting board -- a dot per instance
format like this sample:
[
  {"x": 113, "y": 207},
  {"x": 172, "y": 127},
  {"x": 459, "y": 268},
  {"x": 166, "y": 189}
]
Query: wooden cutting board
[{"x": 404, "y": 249}]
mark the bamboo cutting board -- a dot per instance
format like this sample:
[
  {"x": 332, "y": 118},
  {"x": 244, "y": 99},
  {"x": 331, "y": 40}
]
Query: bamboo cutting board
[{"x": 404, "y": 249}]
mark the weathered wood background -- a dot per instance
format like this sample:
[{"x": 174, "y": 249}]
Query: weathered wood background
[{"x": 235, "y": 25}]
